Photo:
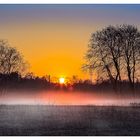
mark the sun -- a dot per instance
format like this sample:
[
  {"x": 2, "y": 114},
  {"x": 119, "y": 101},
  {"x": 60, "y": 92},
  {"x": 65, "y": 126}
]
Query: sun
[{"x": 61, "y": 80}]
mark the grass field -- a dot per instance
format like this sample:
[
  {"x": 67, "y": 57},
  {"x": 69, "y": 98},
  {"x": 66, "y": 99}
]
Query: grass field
[{"x": 44, "y": 120}]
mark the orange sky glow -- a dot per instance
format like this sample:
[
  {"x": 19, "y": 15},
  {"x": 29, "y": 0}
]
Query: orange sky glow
[{"x": 54, "y": 38}]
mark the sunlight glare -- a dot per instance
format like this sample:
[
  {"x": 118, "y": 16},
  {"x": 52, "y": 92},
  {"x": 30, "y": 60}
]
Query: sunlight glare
[{"x": 61, "y": 80}]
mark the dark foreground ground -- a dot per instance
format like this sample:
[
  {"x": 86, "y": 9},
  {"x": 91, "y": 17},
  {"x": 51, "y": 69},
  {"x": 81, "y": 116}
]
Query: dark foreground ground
[{"x": 68, "y": 120}]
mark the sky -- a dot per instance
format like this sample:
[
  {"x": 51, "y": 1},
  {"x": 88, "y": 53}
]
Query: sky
[{"x": 54, "y": 38}]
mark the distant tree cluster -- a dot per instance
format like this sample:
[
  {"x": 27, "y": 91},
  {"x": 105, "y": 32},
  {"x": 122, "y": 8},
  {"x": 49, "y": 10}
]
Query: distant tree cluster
[
  {"x": 115, "y": 53},
  {"x": 15, "y": 82}
]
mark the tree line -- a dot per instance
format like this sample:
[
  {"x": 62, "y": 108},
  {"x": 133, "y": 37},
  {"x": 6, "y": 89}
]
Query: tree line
[{"x": 113, "y": 53}]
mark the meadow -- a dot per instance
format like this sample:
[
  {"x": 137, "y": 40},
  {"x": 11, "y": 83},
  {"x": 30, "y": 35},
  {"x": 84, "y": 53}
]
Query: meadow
[{"x": 60, "y": 120}]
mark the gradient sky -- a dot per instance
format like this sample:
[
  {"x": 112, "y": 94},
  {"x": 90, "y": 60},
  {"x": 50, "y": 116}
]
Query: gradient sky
[{"x": 54, "y": 38}]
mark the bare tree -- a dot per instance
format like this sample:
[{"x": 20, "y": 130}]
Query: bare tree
[
  {"x": 105, "y": 51},
  {"x": 131, "y": 51},
  {"x": 114, "y": 48},
  {"x": 11, "y": 60}
]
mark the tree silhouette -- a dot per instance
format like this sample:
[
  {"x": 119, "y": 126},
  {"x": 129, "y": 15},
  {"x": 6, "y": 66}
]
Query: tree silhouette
[
  {"x": 113, "y": 49},
  {"x": 131, "y": 51},
  {"x": 11, "y": 59}
]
